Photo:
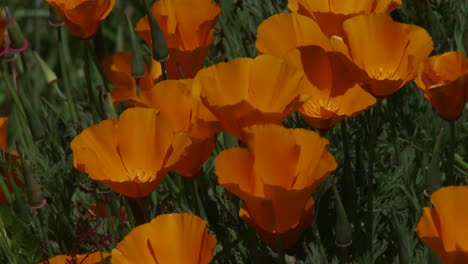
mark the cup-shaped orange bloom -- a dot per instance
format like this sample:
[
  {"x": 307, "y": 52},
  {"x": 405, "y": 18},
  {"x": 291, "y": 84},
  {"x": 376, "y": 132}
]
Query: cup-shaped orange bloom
[
  {"x": 330, "y": 14},
  {"x": 248, "y": 91},
  {"x": 188, "y": 27},
  {"x": 131, "y": 155},
  {"x": 443, "y": 79},
  {"x": 443, "y": 228},
  {"x": 118, "y": 68},
  {"x": 336, "y": 94},
  {"x": 89, "y": 258},
  {"x": 167, "y": 239},
  {"x": 276, "y": 176},
  {"x": 386, "y": 52},
  {"x": 280, "y": 33},
  {"x": 178, "y": 104},
  {"x": 82, "y": 17}
]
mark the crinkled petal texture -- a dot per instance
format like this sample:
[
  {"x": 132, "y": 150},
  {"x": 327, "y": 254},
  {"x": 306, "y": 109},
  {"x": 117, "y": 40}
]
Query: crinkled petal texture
[
  {"x": 336, "y": 94},
  {"x": 443, "y": 227},
  {"x": 280, "y": 33},
  {"x": 131, "y": 155},
  {"x": 167, "y": 239},
  {"x": 90, "y": 258},
  {"x": 82, "y": 17},
  {"x": 184, "y": 110},
  {"x": 249, "y": 91},
  {"x": 443, "y": 79},
  {"x": 276, "y": 176},
  {"x": 188, "y": 27},
  {"x": 330, "y": 14},
  {"x": 118, "y": 68},
  {"x": 387, "y": 52}
]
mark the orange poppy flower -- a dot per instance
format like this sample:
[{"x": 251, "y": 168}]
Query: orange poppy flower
[
  {"x": 386, "y": 53},
  {"x": 118, "y": 68},
  {"x": 443, "y": 227},
  {"x": 131, "y": 155},
  {"x": 443, "y": 79},
  {"x": 280, "y": 33},
  {"x": 249, "y": 91},
  {"x": 178, "y": 104},
  {"x": 82, "y": 17},
  {"x": 3, "y": 133},
  {"x": 276, "y": 177},
  {"x": 188, "y": 28},
  {"x": 90, "y": 258},
  {"x": 168, "y": 239},
  {"x": 3, "y": 24},
  {"x": 336, "y": 95},
  {"x": 330, "y": 14}
]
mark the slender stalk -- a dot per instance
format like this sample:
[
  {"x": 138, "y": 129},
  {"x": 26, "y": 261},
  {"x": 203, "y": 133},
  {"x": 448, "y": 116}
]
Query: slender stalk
[
  {"x": 66, "y": 81},
  {"x": 200, "y": 208},
  {"x": 13, "y": 92},
  {"x": 138, "y": 211},
  {"x": 163, "y": 70},
  {"x": 347, "y": 182},
  {"x": 450, "y": 174},
  {"x": 370, "y": 174},
  {"x": 96, "y": 61},
  {"x": 281, "y": 254},
  {"x": 97, "y": 107}
]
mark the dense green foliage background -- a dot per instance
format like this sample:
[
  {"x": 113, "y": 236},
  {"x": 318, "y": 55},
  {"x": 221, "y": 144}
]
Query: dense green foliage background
[{"x": 409, "y": 127}]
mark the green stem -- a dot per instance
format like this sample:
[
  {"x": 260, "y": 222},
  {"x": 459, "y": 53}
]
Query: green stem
[
  {"x": 138, "y": 211},
  {"x": 97, "y": 105},
  {"x": 450, "y": 174},
  {"x": 163, "y": 70},
  {"x": 66, "y": 81},
  {"x": 200, "y": 208},
  {"x": 347, "y": 182},
  {"x": 281, "y": 254},
  {"x": 96, "y": 61},
  {"x": 370, "y": 174},
  {"x": 13, "y": 92}
]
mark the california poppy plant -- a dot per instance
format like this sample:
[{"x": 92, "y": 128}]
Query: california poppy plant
[
  {"x": 188, "y": 28},
  {"x": 167, "y": 239},
  {"x": 443, "y": 80},
  {"x": 276, "y": 177},
  {"x": 131, "y": 155},
  {"x": 82, "y": 17},
  {"x": 248, "y": 91},
  {"x": 90, "y": 258},
  {"x": 443, "y": 226},
  {"x": 386, "y": 52},
  {"x": 330, "y": 14},
  {"x": 178, "y": 104},
  {"x": 335, "y": 95},
  {"x": 118, "y": 68}
]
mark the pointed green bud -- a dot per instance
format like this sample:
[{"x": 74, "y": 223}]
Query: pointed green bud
[
  {"x": 33, "y": 189},
  {"x": 138, "y": 63},
  {"x": 49, "y": 74},
  {"x": 159, "y": 45},
  {"x": 343, "y": 236},
  {"x": 18, "y": 42},
  {"x": 35, "y": 125},
  {"x": 55, "y": 19},
  {"x": 434, "y": 175}
]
